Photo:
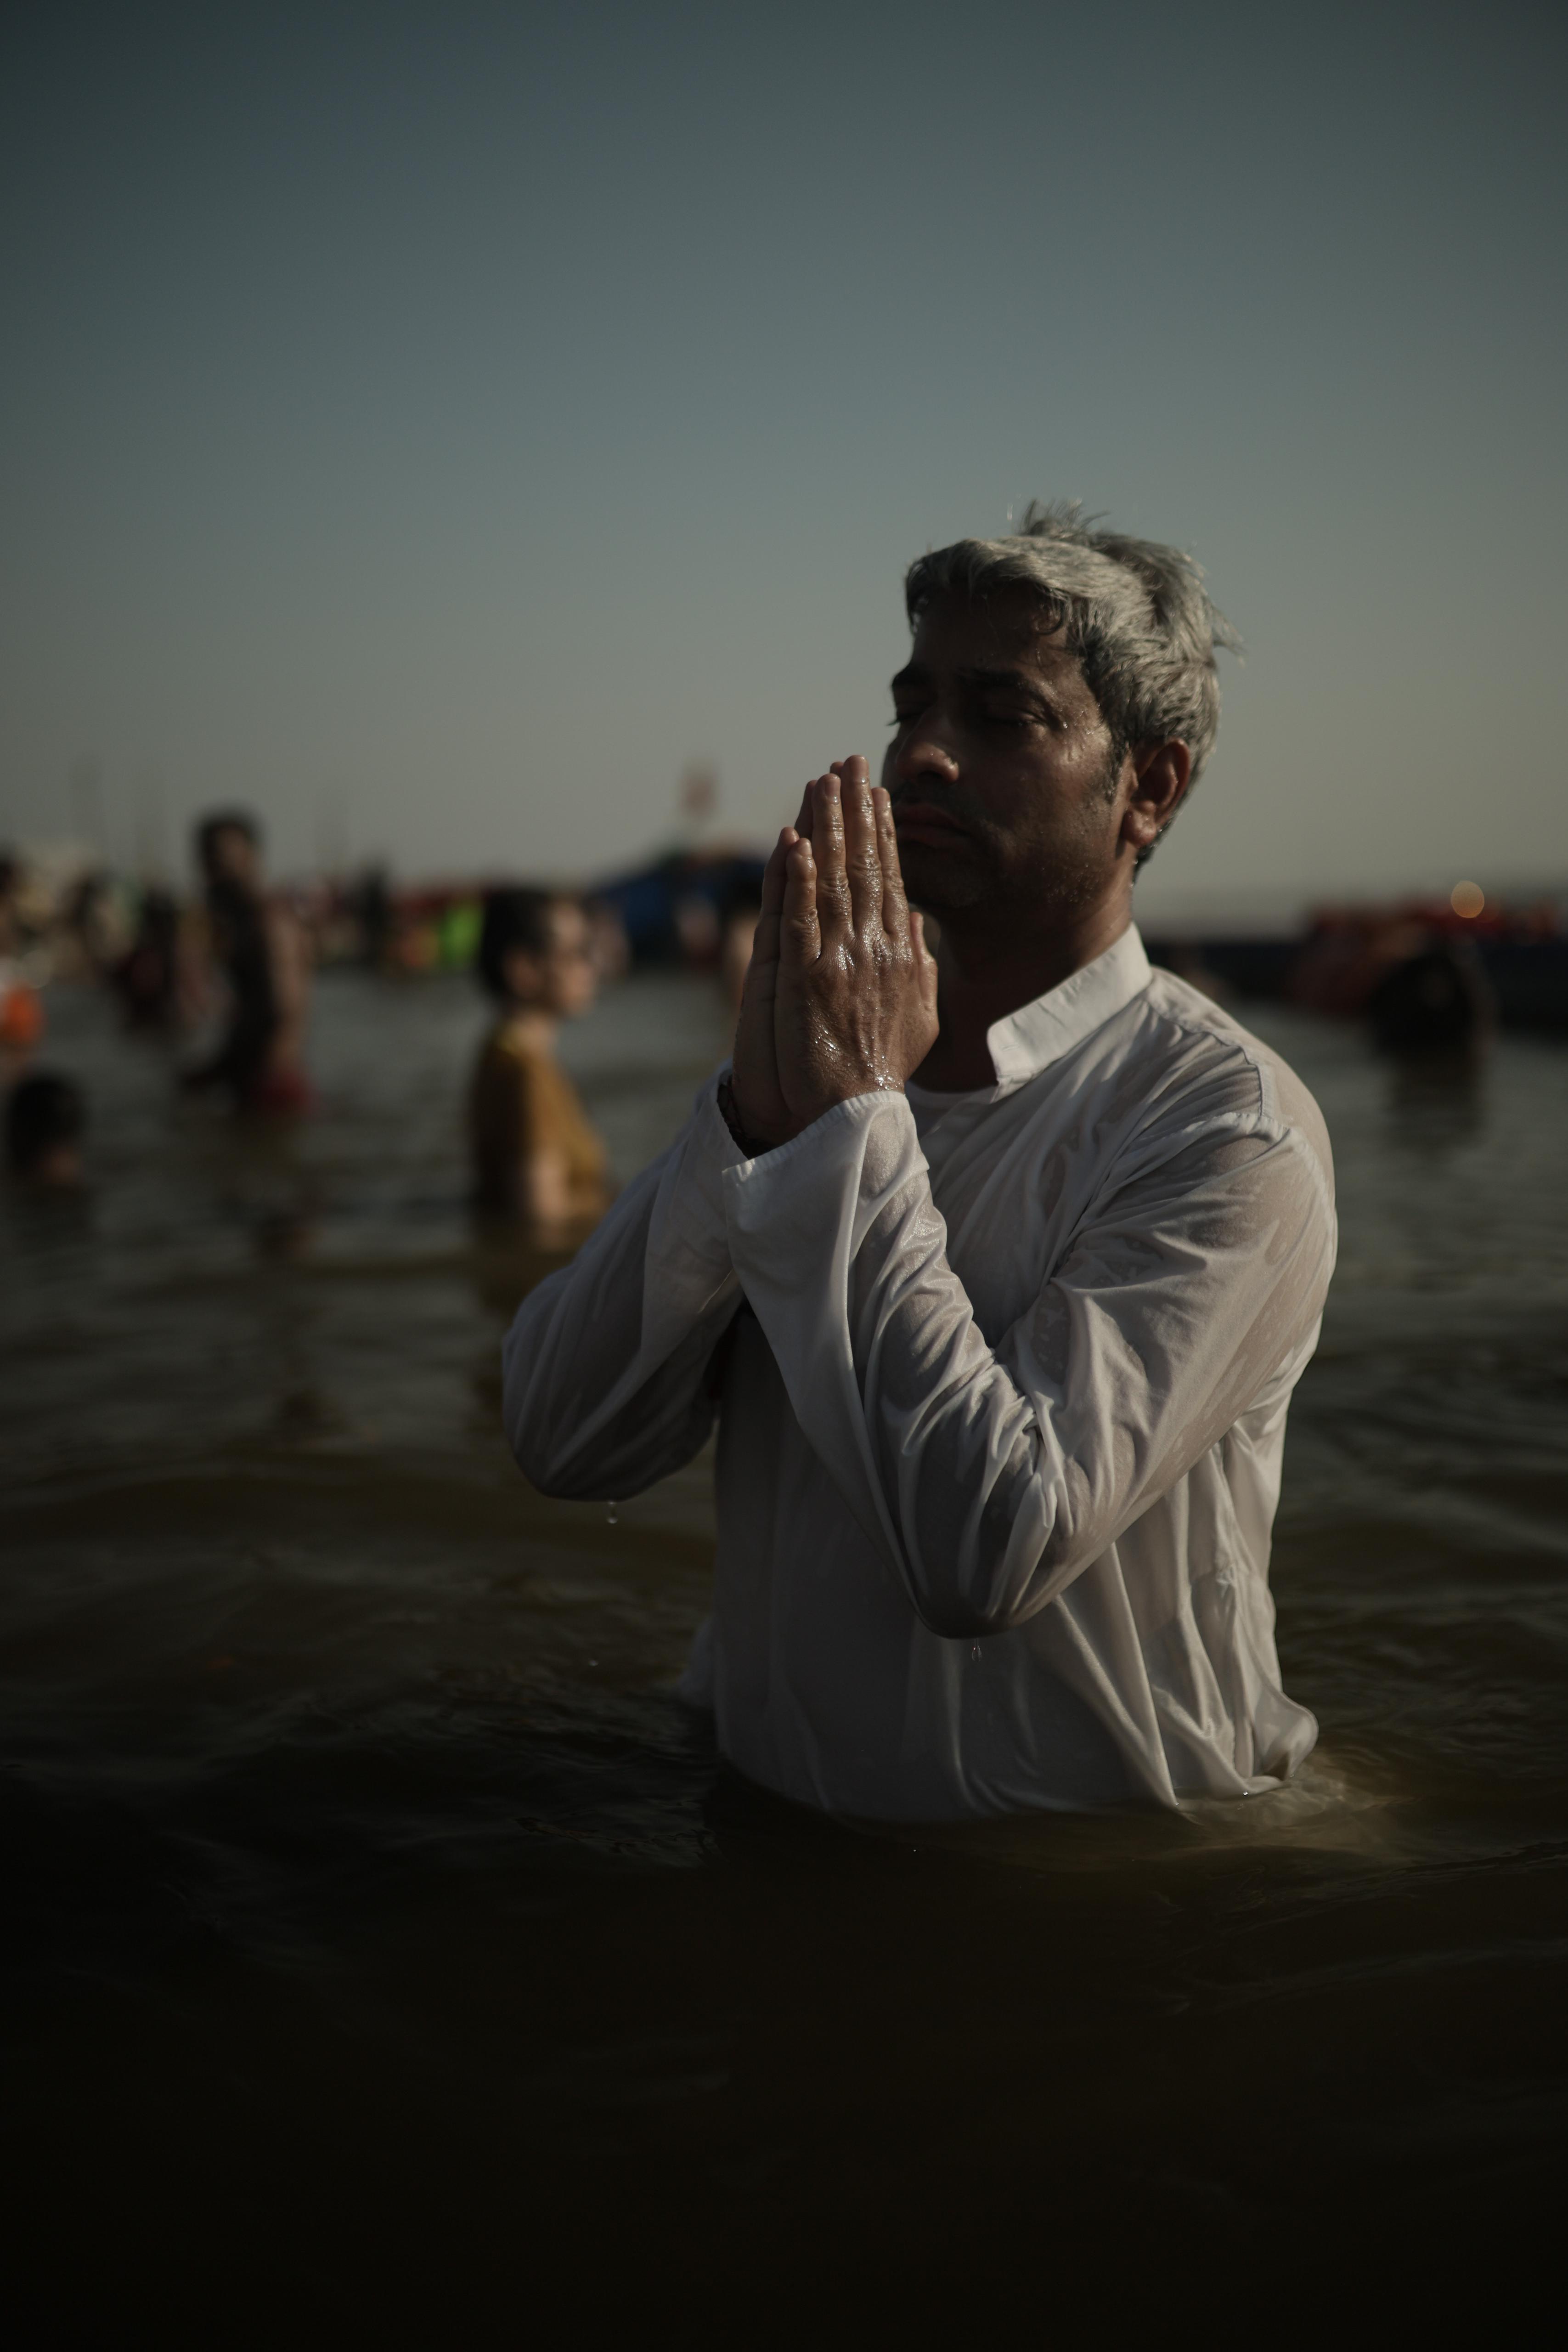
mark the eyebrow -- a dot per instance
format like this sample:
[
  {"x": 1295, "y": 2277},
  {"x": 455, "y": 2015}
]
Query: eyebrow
[
  {"x": 992, "y": 681},
  {"x": 1009, "y": 681}
]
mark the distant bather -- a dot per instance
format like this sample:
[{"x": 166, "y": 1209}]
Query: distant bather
[{"x": 536, "y": 1157}]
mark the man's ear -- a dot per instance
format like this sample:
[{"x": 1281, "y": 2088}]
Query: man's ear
[{"x": 1161, "y": 773}]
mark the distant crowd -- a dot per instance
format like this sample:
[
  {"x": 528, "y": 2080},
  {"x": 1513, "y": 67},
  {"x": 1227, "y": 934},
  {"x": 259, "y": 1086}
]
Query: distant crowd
[{"x": 238, "y": 960}]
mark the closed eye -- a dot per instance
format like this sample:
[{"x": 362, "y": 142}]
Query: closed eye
[{"x": 1012, "y": 715}]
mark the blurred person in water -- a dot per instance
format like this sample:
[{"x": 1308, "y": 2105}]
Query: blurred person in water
[
  {"x": 46, "y": 1119},
  {"x": 261, "y": 948},
  {"x": 147, "y": 976},
  {"x": 998, "y": 1268},
  {"x": 21, "y": 1007},
  {"x": 537, "y": 1160}
]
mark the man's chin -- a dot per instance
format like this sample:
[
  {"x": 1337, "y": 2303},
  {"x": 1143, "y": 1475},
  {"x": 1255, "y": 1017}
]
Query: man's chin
[{"x": 939, "y": 881}]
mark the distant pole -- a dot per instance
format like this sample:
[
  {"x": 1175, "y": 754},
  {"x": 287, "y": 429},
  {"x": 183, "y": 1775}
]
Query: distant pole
[
  {"x": 332, "y": 834},
  {"x": 698, "y": 795},
  {"x": 151, "y": 829},
  {"x": 87, "y": 805}
]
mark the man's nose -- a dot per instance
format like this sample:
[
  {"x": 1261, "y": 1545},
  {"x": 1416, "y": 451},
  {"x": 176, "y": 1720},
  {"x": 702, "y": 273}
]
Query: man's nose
[{"x": 925, "y": 752}]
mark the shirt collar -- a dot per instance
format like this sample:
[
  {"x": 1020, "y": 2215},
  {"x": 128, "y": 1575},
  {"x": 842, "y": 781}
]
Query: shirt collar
[{"x": 1026, "y": 1042}]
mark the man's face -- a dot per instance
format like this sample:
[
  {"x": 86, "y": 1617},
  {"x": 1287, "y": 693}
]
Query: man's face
[{"x": 1000, "y": 770}]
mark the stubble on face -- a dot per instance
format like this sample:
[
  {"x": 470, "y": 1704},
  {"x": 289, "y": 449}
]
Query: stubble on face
[{"x": 998, "y": 733}]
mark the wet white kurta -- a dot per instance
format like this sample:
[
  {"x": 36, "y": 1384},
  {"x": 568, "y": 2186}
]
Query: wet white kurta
[{"x": 1001, "y": 1380}]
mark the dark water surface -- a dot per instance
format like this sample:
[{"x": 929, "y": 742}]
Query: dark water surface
[{"x": 388, "y": 1957}]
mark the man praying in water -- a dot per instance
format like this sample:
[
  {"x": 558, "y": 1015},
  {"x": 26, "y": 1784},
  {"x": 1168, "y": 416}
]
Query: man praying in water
[{"x": 997, "y": 1269}]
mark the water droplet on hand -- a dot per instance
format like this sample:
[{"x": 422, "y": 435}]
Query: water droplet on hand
[
  {"x": 975, "y": 1653},
  {"x": 612, "y": 1513}
]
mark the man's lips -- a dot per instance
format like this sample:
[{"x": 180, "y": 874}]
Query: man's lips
[{"x": 923, "y": 821}]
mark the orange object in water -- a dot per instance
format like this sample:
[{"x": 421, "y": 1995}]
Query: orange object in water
[{"x": 21, "y": 1016}]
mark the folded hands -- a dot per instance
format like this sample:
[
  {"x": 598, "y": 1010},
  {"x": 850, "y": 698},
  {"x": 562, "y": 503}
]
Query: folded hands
[{"x": 841, "y": 995}]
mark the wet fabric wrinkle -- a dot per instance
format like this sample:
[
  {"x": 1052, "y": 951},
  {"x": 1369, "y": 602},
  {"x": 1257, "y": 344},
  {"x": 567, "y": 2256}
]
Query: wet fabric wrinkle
[{"x": 1001, "y": 1419}]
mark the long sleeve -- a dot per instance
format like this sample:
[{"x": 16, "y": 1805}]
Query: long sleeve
[
  {"x": 605, "y": 1367},
  {"x": 989, "y": 1475}
]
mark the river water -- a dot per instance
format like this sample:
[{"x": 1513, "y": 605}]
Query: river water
[{"x": 389, "y": 1958}]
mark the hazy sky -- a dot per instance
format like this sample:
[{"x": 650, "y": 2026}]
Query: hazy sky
[{"x": 438, "y": 425}]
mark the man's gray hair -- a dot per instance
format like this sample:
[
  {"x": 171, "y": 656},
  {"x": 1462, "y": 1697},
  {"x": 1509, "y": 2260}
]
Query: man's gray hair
[{"x": 1136, "y": 614}]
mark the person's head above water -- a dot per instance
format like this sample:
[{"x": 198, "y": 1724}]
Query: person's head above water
[
  {"x": 1059, "y": 702},
  {"x": 536, "y": 953},
  {"x": 45, "y": 1120},
  {"x": 228, "y": 848}
]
